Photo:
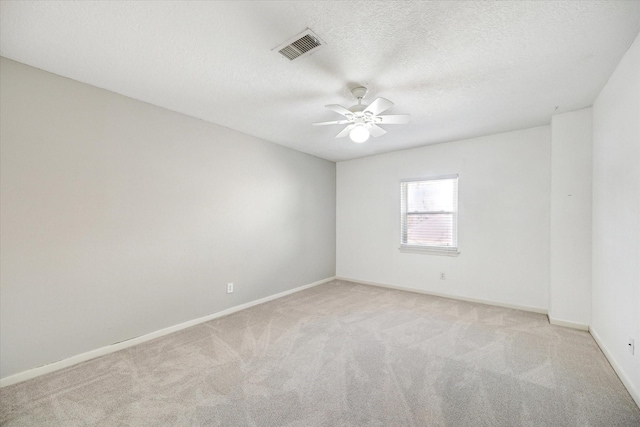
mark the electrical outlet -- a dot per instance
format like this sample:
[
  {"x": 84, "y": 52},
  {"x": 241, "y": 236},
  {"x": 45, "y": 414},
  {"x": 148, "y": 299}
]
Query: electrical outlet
[
  {"x": 442, "y": 276},
  {"x": 229, "y": 288},
  {"x": 632, "y": 345}
]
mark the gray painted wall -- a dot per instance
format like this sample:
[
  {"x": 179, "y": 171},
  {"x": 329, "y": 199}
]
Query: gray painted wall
[
  {"x": 616, "y": 218},
  {"x": 119, "y": 218},
  {"x": 503, "y": 222},
  {"x": 570, "y": 226}
]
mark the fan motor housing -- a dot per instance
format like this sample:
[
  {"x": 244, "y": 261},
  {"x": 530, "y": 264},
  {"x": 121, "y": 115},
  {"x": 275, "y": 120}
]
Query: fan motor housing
[{"x": 358, "y": 108}]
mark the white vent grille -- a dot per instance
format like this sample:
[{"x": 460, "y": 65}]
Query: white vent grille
[{"x": 301, "y": 45}]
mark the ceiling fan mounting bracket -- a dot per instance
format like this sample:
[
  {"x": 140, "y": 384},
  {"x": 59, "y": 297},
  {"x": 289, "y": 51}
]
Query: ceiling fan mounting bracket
[{"x": 359, "y": 92}]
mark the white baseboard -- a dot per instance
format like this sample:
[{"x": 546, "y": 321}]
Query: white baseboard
[
  {"x": 633, "y": 391},
  {"x": 450, "y": 296},
  {"x": 567, "y": 323},
  {"x": 61, "y": 364}
]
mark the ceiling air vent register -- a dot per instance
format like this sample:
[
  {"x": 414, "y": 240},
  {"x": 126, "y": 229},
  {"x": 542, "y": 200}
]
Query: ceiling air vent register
[{"x": 301, "y": 45}]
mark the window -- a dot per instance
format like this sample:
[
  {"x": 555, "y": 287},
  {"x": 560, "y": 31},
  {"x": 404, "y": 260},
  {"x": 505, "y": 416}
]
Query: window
[{"x": 429, "y": 215}]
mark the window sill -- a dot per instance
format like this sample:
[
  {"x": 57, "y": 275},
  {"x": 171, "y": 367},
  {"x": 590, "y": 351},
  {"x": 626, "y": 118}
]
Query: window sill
[{"x": 430, "y": 250}]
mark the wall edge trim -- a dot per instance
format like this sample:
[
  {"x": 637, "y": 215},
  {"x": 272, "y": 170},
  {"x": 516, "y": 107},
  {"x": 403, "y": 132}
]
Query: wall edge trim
[
  {"x": 568, "y": 323},
  {"x": 635, "y": 394},
  {"x": 539, "y": 310},
  {"x": 112, "y": 348}
]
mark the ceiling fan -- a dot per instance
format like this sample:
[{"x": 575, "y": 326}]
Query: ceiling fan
[{"x": 363, "y": 120}]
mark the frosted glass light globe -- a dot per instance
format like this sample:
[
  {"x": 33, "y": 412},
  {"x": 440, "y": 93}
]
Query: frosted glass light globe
[{"x": 359, "y": 134}]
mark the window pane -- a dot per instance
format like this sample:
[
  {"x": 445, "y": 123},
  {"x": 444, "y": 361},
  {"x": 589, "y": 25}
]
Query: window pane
[
  {"x": 429, "y": 213},
  {"x": 430, "y": 196},
  {"x": 430, "y": 229}
]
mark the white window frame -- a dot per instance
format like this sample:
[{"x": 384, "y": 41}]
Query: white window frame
[{"x": 452, "y": 250}]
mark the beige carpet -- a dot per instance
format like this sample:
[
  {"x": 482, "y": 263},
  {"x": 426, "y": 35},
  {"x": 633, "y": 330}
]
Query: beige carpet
[{"x": 341, "y": 354}]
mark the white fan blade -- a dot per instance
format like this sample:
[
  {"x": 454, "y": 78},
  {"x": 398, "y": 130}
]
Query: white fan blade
[
  {"x": 378, "y": 106},
  {"x": 339, "y": 109},
  {"x": 393, "y": 119},
  {"x": 376, "y": 131},
  {"x": 345, "y": 131},
  {"x": 335, "y": 122}
]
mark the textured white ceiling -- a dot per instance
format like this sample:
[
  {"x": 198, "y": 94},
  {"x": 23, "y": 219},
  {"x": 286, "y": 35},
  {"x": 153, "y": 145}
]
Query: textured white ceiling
[{"x": 461, "y": 69}]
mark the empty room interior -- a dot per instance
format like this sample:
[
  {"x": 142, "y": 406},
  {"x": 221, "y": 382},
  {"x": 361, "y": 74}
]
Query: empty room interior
[{"x": 341, "y": 213}]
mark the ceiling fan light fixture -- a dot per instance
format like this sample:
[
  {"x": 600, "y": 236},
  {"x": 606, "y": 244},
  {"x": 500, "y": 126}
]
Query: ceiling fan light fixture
[
  {"x": 359, "y": 134},
  {"x": 362, "y": 120}
]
